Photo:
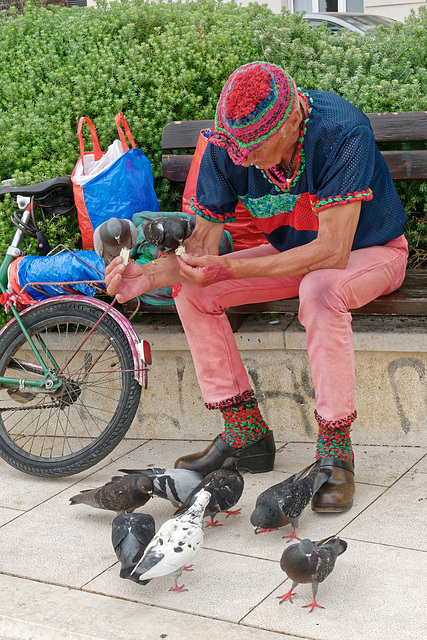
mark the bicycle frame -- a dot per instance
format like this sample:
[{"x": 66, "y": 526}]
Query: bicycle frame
[{"x": 49, "y": 380}]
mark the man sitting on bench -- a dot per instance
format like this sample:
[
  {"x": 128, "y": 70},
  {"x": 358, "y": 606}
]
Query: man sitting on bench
[{"x": 306, "y": 165}]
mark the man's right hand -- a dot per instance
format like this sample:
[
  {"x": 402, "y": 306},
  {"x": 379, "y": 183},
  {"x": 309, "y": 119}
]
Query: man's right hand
[{"x": 125, "y": 282}]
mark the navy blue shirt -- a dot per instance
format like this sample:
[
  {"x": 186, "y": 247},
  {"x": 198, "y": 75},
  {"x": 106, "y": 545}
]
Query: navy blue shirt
[{"x": 338, "y": 162}]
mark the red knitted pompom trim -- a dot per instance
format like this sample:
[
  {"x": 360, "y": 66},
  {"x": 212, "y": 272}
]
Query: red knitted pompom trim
[{"x": 247, "y": 91}]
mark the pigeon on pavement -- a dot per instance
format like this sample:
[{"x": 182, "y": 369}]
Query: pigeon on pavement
[
  {"x": 130, "y": 535},
  {"x": 225, "y": 486},
  {"x": 175, "y": 545},
  {"x": 167, "y": 232},
  {"x": 174, "y": 485},
  {"x": 309, "y": 561},
  {"x": 122, "y": 494},
  {"x": 283, "y": 503},
  {"x": 112, "y": 236}
]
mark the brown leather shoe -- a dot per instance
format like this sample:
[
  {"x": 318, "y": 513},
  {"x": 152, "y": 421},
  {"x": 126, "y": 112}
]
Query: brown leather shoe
[
  {"x": 336, "y": 495},
  {"x": 257, "y": 457}
]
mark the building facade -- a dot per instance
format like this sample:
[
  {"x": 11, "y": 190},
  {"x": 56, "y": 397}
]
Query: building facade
[{"x": 397, "y": 9}]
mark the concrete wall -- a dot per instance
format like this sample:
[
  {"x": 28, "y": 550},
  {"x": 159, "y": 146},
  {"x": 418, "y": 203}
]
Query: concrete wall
[
  {"x": 391, "y": 372},
  {"x": 397, "y": 9}
]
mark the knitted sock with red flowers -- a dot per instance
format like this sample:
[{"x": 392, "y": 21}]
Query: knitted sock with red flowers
[
  {"x": 243, "y": 424},
  {"x": 334, "y": 439}
]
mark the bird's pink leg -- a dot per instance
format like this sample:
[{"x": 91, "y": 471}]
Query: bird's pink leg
[
  {"x": 213, "y": 523},
  {"x": 293, "y": 536},
  {"x": 288, "y": 596},
  {"x": 261, "y": 530},
  {"x": 176, "y": 587},
  {"x": 233, "y": 513},
  {"x": 313, "y": 605}
]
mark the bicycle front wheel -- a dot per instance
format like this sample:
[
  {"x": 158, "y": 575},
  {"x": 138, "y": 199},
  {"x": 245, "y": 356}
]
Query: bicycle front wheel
[{"x": 64, "y": 431}]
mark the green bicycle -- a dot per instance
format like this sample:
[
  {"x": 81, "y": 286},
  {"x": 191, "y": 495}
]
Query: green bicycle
[{"x": 71, "y": 366}]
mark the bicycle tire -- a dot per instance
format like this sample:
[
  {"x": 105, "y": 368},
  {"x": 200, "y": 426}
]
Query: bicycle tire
[{"x": 64, "y": 432}]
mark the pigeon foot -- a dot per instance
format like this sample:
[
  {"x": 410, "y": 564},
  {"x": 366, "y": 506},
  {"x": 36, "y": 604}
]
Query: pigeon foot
[
  {"x": 293, "y": 536},
  {"x": 213, "y": 523},
  {"x": 176, "y": 586},
  {"x": 288, "y": 596},
  {"x": 261, "y": 530},
  {"x": 312, "y": 605},
  {"x": 233, "y": 513}
]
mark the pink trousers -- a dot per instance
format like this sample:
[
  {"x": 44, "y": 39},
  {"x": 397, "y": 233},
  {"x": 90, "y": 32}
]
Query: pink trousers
[{"x": 326, "y": 295}]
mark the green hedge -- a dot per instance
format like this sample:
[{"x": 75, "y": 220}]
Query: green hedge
[{"x": 158, "y": 62}]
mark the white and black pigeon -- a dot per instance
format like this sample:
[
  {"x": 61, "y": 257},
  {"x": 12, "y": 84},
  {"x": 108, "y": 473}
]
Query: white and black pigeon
[
  {"x": 174, "y": 485},
  {"x": 130, "y": 535},
  {"x": 310, "y": 562},
  {"x": 167, "y": 232},
  {"x": 225, "y": 486},
  {"x": 113, "y": 235},
  {"x": 175, "y": 545},
  {"x": 283, "y": 503},
  {"x": 122, "y": 494}
]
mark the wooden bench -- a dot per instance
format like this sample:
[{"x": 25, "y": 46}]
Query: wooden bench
[{"x": 392, "y": 128}]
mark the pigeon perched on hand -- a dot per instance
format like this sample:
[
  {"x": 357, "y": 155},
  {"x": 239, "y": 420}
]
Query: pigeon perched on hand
[
  {"x": 122, "y": 494},
  {"x": 167, "y": 232},
  {"x": 225, "y": 486},
  {"x": 283, "y": 503},
  {"x": 309, "y": 561},
  {"x": 130, "y": 535},
  {"x": 174, "y": 485},
  {"x": 175, "y": 545},
  {"x": 112, "y": 236}
]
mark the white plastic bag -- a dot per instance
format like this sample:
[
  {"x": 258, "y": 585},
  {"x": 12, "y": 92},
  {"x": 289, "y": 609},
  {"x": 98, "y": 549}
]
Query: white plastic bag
[{"x": 94, "y": 167}]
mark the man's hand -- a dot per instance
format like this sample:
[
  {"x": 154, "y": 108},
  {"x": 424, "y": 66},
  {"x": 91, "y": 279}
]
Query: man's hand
[
  {"x": 125, "y": 282},
  {"x": 204, "y": 270}
]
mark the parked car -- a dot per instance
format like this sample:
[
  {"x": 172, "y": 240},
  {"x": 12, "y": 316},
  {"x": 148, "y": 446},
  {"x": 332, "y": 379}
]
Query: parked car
[{"x": 359, "y": 22}]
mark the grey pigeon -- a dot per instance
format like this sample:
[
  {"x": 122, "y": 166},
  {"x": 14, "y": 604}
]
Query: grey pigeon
[
  {"x": 174, "y": 485},
  {"x": 130, "y": 535},
  {"x": 122, "y": 494},
  {"x": 283, "y": 503},
  {"x": 225, "y": 486},
  {"x": 112, "y": 236},
  {"x": 309, "y": 561},
  {"x": 175, "y": 545},
  {"x": 167, "y": 232}
]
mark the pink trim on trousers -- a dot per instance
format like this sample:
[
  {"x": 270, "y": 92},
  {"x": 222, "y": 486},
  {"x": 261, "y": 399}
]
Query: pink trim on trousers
[{"x": 326, "y": 295}]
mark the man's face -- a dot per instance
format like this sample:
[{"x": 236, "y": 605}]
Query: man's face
[{"x": 269, "y": 153}]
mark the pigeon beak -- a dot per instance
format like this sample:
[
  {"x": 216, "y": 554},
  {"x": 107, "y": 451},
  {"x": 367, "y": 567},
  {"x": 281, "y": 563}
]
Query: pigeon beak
[{"x": 257, "y": 530}]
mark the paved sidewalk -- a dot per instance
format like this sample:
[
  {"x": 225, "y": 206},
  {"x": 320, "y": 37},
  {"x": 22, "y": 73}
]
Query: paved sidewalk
[{"x": 59, "y": 576}]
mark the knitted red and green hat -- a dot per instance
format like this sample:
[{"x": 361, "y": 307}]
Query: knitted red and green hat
[{"x": 254, "y": 103}]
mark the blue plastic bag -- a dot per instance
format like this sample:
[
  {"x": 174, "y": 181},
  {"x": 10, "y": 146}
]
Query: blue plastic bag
[
  {"x": 122, "y": 187},
  {"x": 63, "y": 267}
]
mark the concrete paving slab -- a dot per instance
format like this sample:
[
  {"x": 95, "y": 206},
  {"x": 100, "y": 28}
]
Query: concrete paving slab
[
  {"x": 154, "y": 453},
  {"x": 377, "y": 465},
  {"x": 398, "y": 517},
  {"x": 36, "y": 611},
  {"x": 222, "y": 586},
  {"x": 237, "y": 534},
  {"x": 422, "y": 465},
  {"x": 58, "y": 543},
  {"x": 22, "y": 491},
  {"x": 374, "y": 592},
  {"x": 6, "y": 515},
  {"x": 237, "y": 574}
]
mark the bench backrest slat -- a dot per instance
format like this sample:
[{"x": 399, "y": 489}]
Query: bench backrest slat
[{"x": 406, "y": 126}]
